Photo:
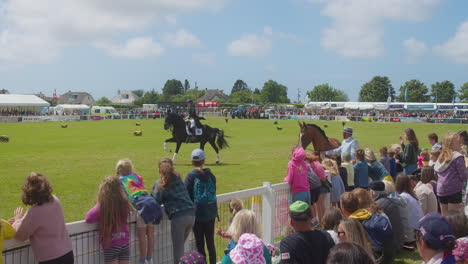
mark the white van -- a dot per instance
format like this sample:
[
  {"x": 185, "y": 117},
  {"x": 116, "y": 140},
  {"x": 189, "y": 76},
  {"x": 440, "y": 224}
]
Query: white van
[{"x": 104, "y": 112}]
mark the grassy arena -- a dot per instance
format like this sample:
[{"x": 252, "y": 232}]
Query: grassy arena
[{"x": 78, "y": 157}]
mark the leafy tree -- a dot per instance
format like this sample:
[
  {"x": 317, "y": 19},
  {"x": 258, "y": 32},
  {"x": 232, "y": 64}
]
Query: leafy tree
[
  {"x": 463, "y": 95},
  {"x": 376, "y": 90},
  {"x": 443, "y": 92},
  {"x": 139, "y": 92},
  {"x": 416, "y": 92},
  {"x": 171, "y": 88},
  {"x": 274, "y": 92},
  {"x": 186, "y": 85},
  {"x": 190, "y": 94},
  {"x": 242, "y": 96},
  {"x": 324, "y": 92},
  {"x": 239, "y": 85},
  {"x": 150, "y": 97},
  {"x": 257, "y": 91},
  {"x": 103, "y": 101}
]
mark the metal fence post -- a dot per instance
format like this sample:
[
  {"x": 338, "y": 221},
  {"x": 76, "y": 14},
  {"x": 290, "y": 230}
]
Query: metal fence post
[{"x": 268, "y": 213}]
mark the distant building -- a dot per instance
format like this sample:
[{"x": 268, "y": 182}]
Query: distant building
[
  {"x": 124, "y": 98},
  {"x": 214, "y": 95},
  {"x": 76, "y": 98},
  {"x": 4, "y": 91}
]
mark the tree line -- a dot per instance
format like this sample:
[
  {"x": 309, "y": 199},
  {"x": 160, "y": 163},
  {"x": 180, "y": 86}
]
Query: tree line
[{"x": 376, "y": 90}]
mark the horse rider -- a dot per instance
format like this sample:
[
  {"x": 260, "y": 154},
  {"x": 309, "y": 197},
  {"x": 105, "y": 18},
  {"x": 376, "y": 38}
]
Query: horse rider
[{"x": 193, "y": 119}]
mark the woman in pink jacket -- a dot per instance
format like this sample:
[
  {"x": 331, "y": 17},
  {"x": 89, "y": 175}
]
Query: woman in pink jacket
[
  {"x": 43, "y": 224},
  {"x": 297, "y": 176}
]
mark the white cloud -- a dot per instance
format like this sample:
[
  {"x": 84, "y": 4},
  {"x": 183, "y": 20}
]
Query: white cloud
[
  {"x": 357, "y": 28},
  {"x": 182, "y": 38},
  {"x": 252, "y": 44},
  {"x": 415, "y": 49},
  {"x": 204, "y": 58},
  {"x": 456, "y": 48},
  {"x": 135, "y": 48},
  {"x": 36, "y": 31}
]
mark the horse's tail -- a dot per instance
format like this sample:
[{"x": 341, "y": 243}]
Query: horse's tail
[{"x": 221, "y": 141}]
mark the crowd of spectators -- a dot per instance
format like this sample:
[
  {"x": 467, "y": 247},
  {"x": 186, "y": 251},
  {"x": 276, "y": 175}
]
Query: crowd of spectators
[{"x": 367, "y": 216}]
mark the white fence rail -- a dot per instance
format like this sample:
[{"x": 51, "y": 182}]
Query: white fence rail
[{"x": 269, "y": 202}]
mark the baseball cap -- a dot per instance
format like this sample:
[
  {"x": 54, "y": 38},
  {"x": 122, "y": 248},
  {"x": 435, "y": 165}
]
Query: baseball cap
[
  {"x": 437, "y": 231},
  {"x": 198, "y": 154},
  {"x": 299, "y": 207}
]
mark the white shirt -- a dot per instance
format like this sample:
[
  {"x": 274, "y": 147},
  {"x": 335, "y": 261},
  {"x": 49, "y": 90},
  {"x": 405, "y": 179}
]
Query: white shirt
[
  {"x": 348, "y": 145},
  {"x": 436, "y": 259}
]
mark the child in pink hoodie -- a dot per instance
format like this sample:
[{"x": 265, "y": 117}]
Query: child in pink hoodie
[{"x": 297, "y": 176}]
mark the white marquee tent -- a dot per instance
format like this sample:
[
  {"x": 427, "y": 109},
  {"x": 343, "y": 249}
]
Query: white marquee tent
[{"x": 12, "y": 100}]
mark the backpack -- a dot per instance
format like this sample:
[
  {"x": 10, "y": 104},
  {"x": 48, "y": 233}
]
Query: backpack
[
  {"x": 314, "y": 181},
  {"x": 378, "y": 229},
  {"x": 204, "y": 197}
]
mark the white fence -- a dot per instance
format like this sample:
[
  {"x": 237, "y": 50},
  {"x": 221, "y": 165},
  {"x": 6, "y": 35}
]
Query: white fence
[{"x": 269, "y": 202}]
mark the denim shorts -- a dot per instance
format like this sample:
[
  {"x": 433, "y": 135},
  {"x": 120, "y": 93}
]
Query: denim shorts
[{"x": 301, "y": 196}]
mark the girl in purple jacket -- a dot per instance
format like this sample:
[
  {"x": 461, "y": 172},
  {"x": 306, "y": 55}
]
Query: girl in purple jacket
[{"x": 452, "y": 174}]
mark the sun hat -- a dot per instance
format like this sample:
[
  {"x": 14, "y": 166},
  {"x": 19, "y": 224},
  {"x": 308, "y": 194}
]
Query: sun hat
[
  {"x": 436, "y": 231},
  {"x": 369, "y": 154},
  {"x": 249, "y": 250},
  {"x": 348, "y": 130},
  {"x": 198, "y": 154},
  {"x": 192, "y": 257},
  {"x": 298, "y": 207},
  {"x": 461, "y": 251}
]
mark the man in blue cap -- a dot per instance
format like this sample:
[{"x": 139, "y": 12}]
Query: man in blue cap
[{"x": 348, "y": 145}]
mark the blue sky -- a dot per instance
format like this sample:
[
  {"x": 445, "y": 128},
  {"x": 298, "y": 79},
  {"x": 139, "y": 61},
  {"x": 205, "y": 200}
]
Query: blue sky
[{"x": 108, "y": 45}]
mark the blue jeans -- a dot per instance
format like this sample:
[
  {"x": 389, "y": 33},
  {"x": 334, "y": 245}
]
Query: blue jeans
[
  {"x": 410, "y": 168},
  {"x": 301, "y": 196}
]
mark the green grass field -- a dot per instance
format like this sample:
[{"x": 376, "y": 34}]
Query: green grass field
[{"x": 76, "y": 158}]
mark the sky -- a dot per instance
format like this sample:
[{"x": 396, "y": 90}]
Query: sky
[{"x": 102, "y": 46}]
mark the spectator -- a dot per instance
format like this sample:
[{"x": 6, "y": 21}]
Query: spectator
[
  {"x": 415, "y": 213},
  {"x": 348, "y": 145},
  {"x": 330, "y": 222},
  {"x": 148, "y": 210},
  {"x": 434, "y": 155},
  {"x": 424, "y": 158},
  {"x": 349, "y": 253},
  {"x": 171, "y": 192},
  {"x": 201, "y": 186},
  {"x": 349, "y": 169},
  {"x": 111, "y": 212},
  {"x": 351, "y": 230},
  {"x": 391, "y": 208},
  {"x": 244, "y": 222},
  {"x": 361, "y": 170},
  {"x": 343, "y": 172},
  {"x": 235, "y": 205},
  {"x": 434, "y": 141},
  {"x": 297, "y": 176},
  {"x": 378, "y": 227},
  {"x": 451, "y": 173},
  {"x": 398, "y": 159},
  {"x": 305, "y": 245},
  {"x": 435, "y": 239},
  {"x": 43, "y": 224},
  {"x": 376, "y": 170},
  {"x": 337, "y": 184},
  {"x": 384, "y": 158},
  {"x": 392, "y": 165},
  {"x": 426, "y": 197},
  {"x": 459, "y": 223},
  {"x": 409, "y": 157},
  {"x": 323, "y": 201},
  {"x": 6, "y": 232},
  {"x": 249, "y": 249}
]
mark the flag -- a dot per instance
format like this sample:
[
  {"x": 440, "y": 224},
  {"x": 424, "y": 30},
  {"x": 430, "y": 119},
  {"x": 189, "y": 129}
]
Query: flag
[
  {"x": 453, "y": 99},
  {"x": 406, "y": 93},
  {"x": 389, "y": 93}
]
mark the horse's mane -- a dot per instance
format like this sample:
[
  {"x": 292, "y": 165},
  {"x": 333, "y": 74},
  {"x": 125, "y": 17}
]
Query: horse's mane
[{"x": 318, "y": 128}]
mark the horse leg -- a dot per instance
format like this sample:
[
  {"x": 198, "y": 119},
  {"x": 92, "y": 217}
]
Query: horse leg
[
  {"x": 179, "y": 143},
  {"x": 165, "y": 144},
  {"x": 213, "y": 144}
]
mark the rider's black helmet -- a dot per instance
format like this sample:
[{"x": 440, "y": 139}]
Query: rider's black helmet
[{"x": 189, "y": 101}]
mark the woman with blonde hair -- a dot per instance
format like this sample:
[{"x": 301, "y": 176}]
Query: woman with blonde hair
[
  {"x": 351, "y": 230},
  {"x": 331, "y": 168},
  {"x": 245, "y": 222},
  {"x": 451, "y": 173},
  {"x": 171, "y": 192},
  {"x": 111, "y": 212}
]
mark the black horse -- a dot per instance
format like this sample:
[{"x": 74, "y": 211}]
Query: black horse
[{"x": 211, "y": 135}]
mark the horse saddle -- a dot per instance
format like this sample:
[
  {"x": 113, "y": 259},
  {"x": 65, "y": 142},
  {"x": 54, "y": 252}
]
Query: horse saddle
[{"x": 198, "y": 131}]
